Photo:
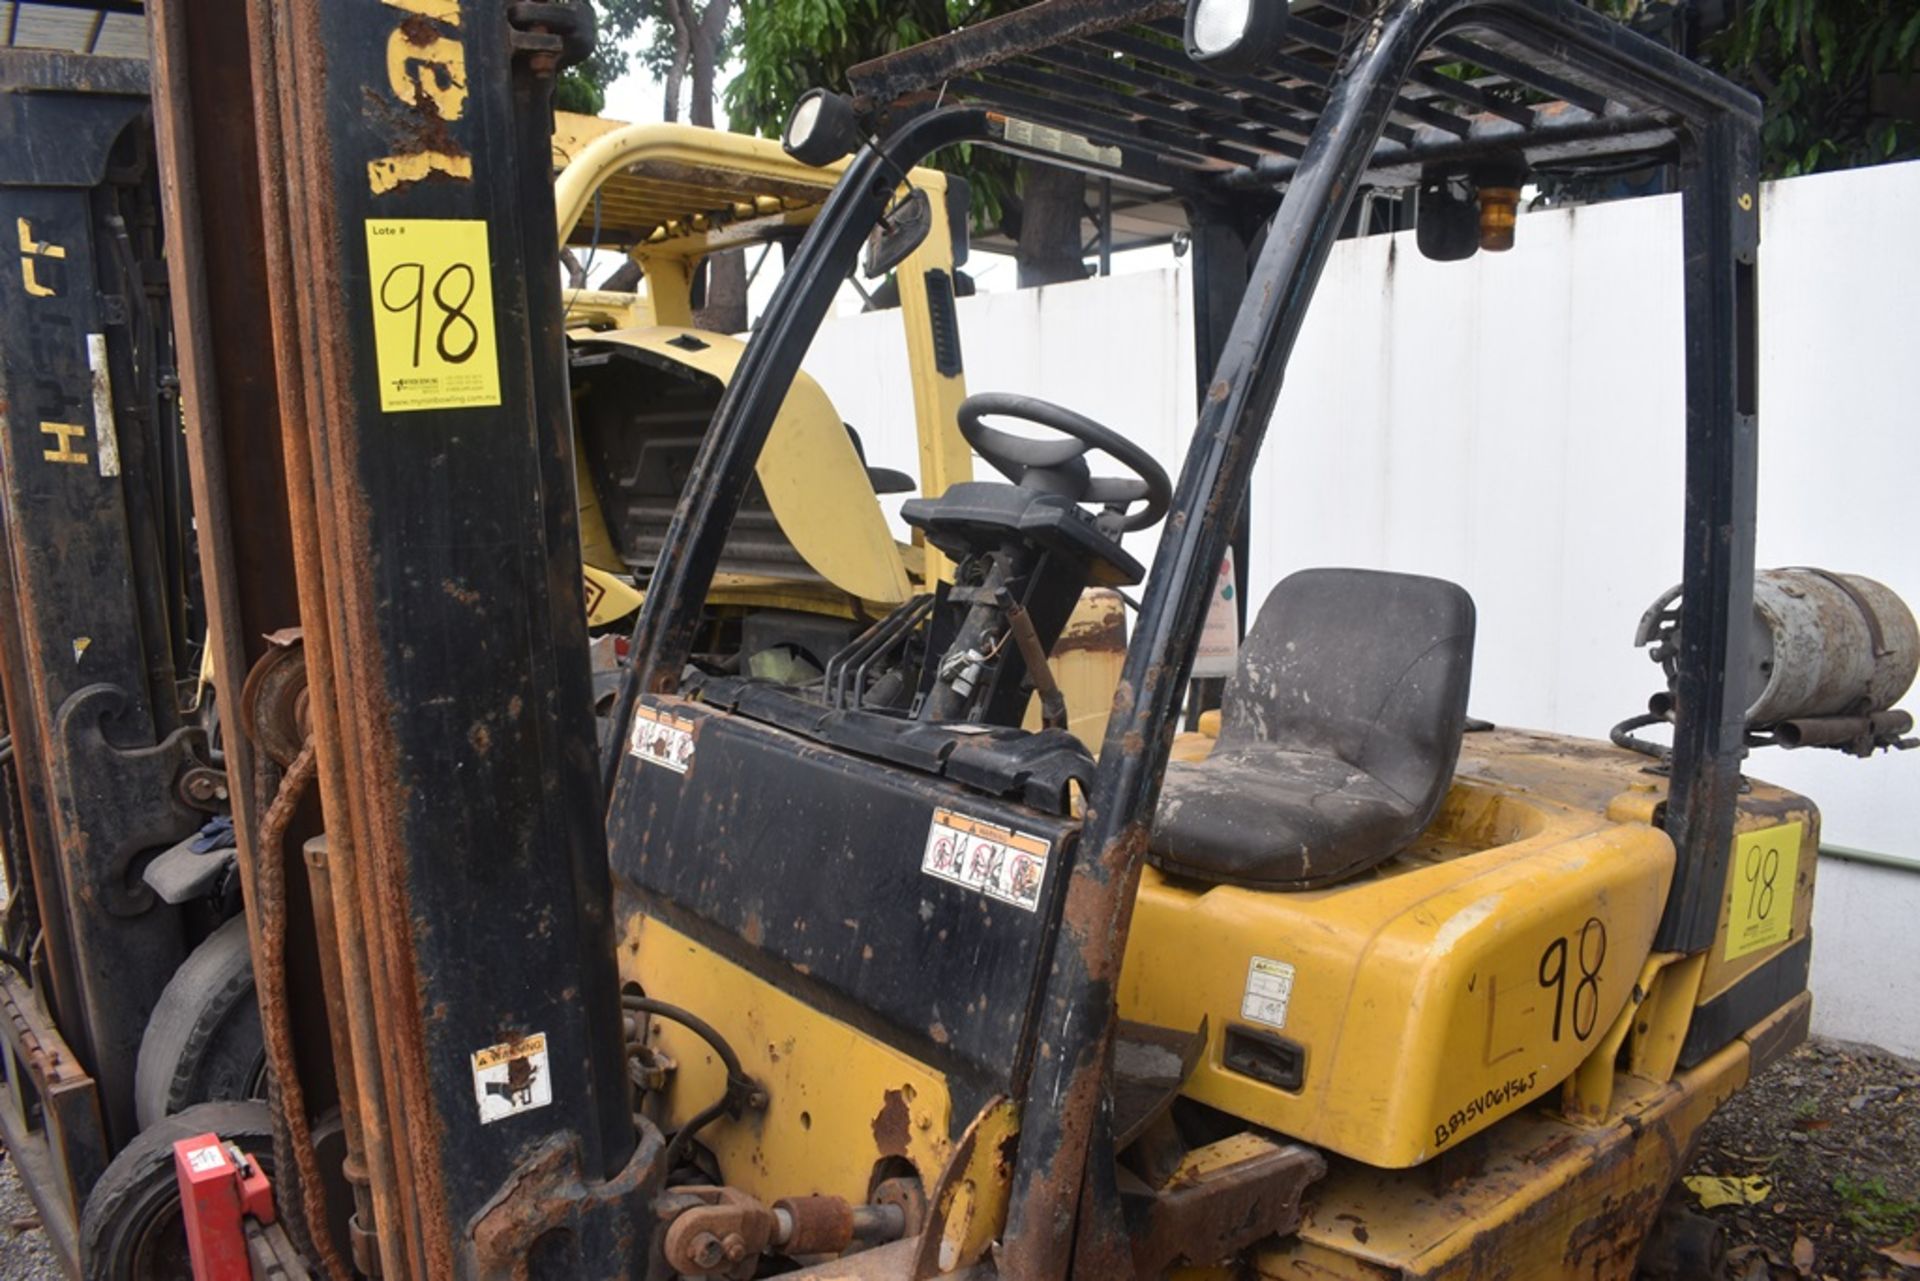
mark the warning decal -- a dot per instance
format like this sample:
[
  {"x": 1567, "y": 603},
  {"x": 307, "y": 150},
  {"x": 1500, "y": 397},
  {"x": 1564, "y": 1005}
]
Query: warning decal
[
  {"x": 661, "y": 739},
  {"x": 511, "y": 1078},
  {"x": 997, "y": 861},
  {"x": 1269, "y": 989},
  {"x": 210, "y": 1157},
  {"x": 433, "y": 333}
]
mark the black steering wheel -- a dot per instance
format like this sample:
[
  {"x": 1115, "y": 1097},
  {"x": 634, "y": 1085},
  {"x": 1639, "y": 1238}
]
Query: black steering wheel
[{"x": 1054, "y": 465}]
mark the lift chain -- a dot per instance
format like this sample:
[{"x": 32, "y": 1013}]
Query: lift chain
[{"x": 555, "y": 33}]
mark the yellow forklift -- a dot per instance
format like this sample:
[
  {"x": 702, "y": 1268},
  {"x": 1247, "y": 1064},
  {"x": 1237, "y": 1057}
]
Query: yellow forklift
[
  {"x": 667, "y": 197},
  {"x": 856, "y": 975}
]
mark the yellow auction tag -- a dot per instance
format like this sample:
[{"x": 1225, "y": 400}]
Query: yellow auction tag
[
  {"x": 432, "y": 313},
  {"x": 1760, "y": 888}
]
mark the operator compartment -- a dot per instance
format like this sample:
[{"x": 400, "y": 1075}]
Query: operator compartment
[
  {"x": 1389, "y": 952},
  {"x": 856, "y": 878}
]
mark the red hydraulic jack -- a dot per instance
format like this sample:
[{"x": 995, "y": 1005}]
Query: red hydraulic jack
[{"x": 226, "y": 1201}]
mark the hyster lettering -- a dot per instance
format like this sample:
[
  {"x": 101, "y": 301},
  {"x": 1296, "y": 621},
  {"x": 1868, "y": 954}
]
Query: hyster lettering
[{"x": 1480, "y": 1105}]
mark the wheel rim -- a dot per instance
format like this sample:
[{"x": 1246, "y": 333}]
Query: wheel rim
[{"x": 159, "y": 1251}]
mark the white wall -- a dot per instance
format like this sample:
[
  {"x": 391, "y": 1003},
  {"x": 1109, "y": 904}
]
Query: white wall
[{"x": 1514, "y": 423}]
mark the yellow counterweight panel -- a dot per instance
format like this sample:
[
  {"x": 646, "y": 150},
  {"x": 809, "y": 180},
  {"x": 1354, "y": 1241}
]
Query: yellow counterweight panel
[
  {"x": 1428, "y": 1003},
  {"x": 839, "y": 1103},
  {"x": 1603, "y": 779},
  {"x": 813, "y": 479}
]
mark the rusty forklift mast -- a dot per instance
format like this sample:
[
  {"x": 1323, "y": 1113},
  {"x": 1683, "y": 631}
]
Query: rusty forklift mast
[
  {"x": 96, "y": 614},
  {"x": 417, "y": 435}
]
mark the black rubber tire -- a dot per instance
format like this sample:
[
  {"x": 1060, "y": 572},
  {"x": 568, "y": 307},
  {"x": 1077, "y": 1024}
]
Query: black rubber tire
[
  {"x": 203, "y": 1043},
  {"x": 130, "y": 1228}
]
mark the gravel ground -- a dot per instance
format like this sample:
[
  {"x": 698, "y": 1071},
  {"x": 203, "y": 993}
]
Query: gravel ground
[
  {"x": 23, "y": 1246},
  {"x": 1834, "y": 1130}
]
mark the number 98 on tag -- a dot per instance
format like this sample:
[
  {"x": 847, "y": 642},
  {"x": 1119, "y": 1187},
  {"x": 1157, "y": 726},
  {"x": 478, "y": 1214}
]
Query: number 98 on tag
[{"x": 433, "y": 329}]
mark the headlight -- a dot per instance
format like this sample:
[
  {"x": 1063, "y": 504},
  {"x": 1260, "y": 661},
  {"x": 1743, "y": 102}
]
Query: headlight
[
  {"x": 822, "y": 128},
  {"x": 1234, "y": 35}
]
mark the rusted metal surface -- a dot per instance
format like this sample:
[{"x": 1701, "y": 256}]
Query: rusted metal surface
[
  {"x": 55, "y": 71},
  {"x": 363, "y": 1231},
  {"x": 722, "y": 1232},
  {"x": 967, "y": 1201},
  {"x": 1099, "y": 630},
  {"x": 438, "y": 571},
  {"x": 286, "y": 230},
  {"x": 209, "y": 89},
  {"x": 892, "y": 1125},
  {"x": 879, "y": 81},
  {"x": 909, "y": 1197},
  {"x": 274, "y": 701},
  {"x": 61, "y": 993},
  {"x": 551, "y": 1194},
  {"x": 276, "y": 1020},
  {"x": 88, "y": 672},
  {"x": 1548, "y": 1199},
  {"x": 1208, "y": 1217},
  {"x": 64, "y": 1149},
  {"x": 818, "y": 1224}
]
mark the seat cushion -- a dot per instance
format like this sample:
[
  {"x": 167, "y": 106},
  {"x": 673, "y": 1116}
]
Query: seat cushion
[
  {"x": 1270, "y": 818},
  {"x": 1338, "y": 734}
]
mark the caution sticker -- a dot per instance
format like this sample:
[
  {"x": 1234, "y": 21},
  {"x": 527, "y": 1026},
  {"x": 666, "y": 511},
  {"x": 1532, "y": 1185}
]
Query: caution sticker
[
  {"x": 1269, "y": 989},
  {"x": 433, "y": 331},
  {"x": 997, "y": 861},
  {"x": 661, "y": 739},
  {"x": 210, "y": 1157},
  {"x": 1074, "y": 146},
  {"x": 1760, "y": 886},
  {"x": 511, "y": 1078}
]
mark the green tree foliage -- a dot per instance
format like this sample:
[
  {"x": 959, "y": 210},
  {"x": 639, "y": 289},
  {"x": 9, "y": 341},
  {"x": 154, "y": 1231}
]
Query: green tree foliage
[
  {"x": 790, "y": 46},
  {"x": 674, "y": 41},
  {"x": 1839, "y": 78},
  {"x": 577, "y": 91}
]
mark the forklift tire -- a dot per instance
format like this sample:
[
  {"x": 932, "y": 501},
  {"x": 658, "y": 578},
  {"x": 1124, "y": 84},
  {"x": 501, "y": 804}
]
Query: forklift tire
[
  {"x": 203, "y": 1042},
  {"x": 131, "y": 1227}
]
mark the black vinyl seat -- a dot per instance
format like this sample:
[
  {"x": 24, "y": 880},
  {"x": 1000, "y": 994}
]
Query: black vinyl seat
[{"x": 1339, "y": 734}]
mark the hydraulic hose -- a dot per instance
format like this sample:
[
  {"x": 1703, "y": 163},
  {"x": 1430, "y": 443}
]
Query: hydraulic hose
[
  {"x": 270, "y": 975},
  {"x": 739, "y": 1084}
]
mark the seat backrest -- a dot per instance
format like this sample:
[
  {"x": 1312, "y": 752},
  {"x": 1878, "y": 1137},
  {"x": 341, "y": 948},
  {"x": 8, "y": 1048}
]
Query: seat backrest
[{"x": 1367, "y": 666}]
